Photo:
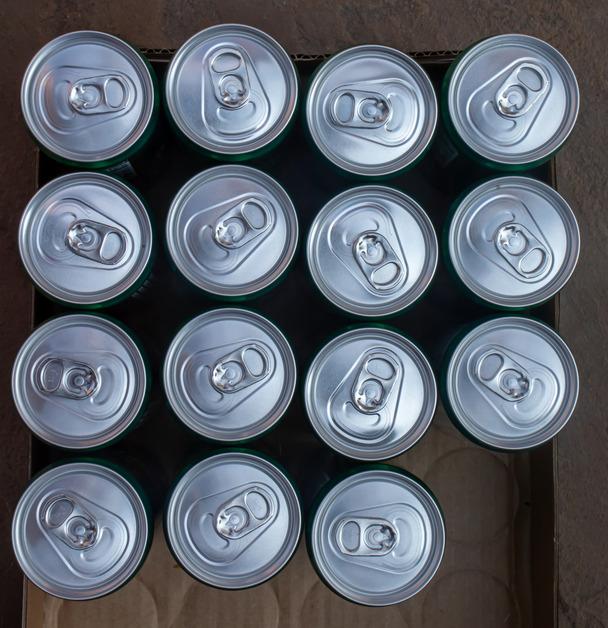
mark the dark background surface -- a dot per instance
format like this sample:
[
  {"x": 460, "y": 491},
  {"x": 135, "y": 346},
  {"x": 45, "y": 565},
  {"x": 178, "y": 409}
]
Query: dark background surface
[{"x": 577, "y": 28}]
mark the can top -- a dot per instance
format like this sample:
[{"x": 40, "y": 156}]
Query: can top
[
  {"x": 85, "y": 238},
  {"x": 512, "y": 383},
  {"x": 80, "y": 531},
  {"x": 233, "y": 520},
  {"x": 514, "y": 241},
  {"x": 371, "y": 110},
  {"x": 378, "y": 537},
  {"x": 370, "y": 394},
  {"x": 87, "y": 96},
  {"x": 372, "y": 250},
  {"x": 229, "y": 374},
  {"x": 231, "y": 89},
  {"x": 79, "y": 381},
  {"x": 513, "y": 99},
  {"x": 232, "y": 230}
]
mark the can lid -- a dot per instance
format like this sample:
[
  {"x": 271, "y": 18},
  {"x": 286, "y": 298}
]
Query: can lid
[
  {"x": 85, "y": 238},
  {"x": 87, "y": 96},
  {"x": 378, "y": 536},
  {"x": 371, "y": 110},
  {"x": 514, "y": 241},
  {"x": 232, "y": 230},
  {"x": 80, "y": 531},
  {"x": 229, "y": 374},
  {"x": 370, "y": 394},
  {"x": 372, "y": 250},
  {"x": 79, "y": 381},
  {"x": 231, "y": 89},
  {"x": 513, "y": 99},
  {"x": 233, "y": 520},
  {"x": 512, "y": 383}
]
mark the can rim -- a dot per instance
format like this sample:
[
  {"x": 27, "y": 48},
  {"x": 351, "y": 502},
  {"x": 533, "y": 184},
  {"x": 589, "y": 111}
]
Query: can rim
[
  {"x": 568, "y": 75},
  {"x": 200, "y": 427},
  {"x": 424, "y": 83},
  {"x": 282, "y": 58},
  {"x": 422, "y": 423},
  {"x": 561, "y": 206},
  {"x": 408, "y": 204},
  {"x": 554, "y": 426},
  {"x": 116, "y": 429},
  {"x": 199, "y": 180},
  {"x": 191, "y": 473},
  {"x": 138, "y": 64},
  {"x": 27, "y": 499}
]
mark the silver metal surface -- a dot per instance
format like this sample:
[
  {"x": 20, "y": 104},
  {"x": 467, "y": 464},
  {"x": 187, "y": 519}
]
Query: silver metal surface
[
  {"x": 80, "y": 531},
  {"x": 514, "y": 241},
  {"x": 513, "y": 99},
  {"x": 377, "y": 537},
  {"x": 233, "y": 520},
  {"x": 232, "y": 230},
  {"x": 231, "y": 89},
  {"x": 79, "y": 381},
  {"x": 512, "y": 383},
  {"x": 85, "y": 238},
  {"x": 229, "y": 374},
  {"x": 372, "y": 251},
  {"x": 371, "y": 110},
  {"x": 87, "y": 96},
  {"x": 370, "y": 394}
]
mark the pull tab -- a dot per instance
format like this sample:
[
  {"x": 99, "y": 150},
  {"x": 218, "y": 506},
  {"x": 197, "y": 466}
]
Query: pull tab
[
  {"x": 375, "y": 381},
  {"x": 230, "y": 78},
  {"x": 523, "y": 89},
  {"x": 502, "y": 375},
  {"x": 366, "y": 536},
  {"x": 379, "y": 262},
  {"x": 522, "y": 250},
  {"x": 68, "y": 520},
  {"x": 99, "y": 94},
  {"x": 242, "y": 223},
  {"x": 66, "y": 378},
  {"x": 244, "y": 513},
  {"x": 96, "y": 241},
  {"x": 359, "y": 109},
  {"x": 240, "y": 368}
]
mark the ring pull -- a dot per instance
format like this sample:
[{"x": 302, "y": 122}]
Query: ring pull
[
  {"x": 240, "y": 368},
  {"x": 96, "y": 241},
  {"x": 70, "y": 522},
  {"x": 523, "y": 91},
  {"x": 99, "y": 94},
  {"x": 366, "y": 536},
  {"x": 248, "y": 511},
  {"x": 230, "y": 78},
  {"x": 242, "y": 223},
  {"x": 522, "y": 250},
  {"x": 378, "y": 261},
  {"x": 66, "y": 378},
  {"x": 502, "y": 375},
  {"x": 374, "y": 382},
  {"x": 359, "y": 109}
]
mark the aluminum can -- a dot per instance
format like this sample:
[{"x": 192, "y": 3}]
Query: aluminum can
[
  {"x": 510, "y": 383},
  {"x": 229, "y": 375},
  {"x": 81, "y": 530},
  {"x": 231, "y": 90},
  {"x": 232, "y": 231},
  {"x": 370, "y": 394},
  {"x": 371, "y": 110},
  {"x": 89, "y": 99},
  {"x": 513, "y": 242},
  {"x": 80, "y": 381},
  {"x": 510, "y": 101},
  {"x": 86, "y": 240},
  {"x": 376, "y": 536},
  {"x": 233, "y": 520},
  {"x": 372, "y": 251}
]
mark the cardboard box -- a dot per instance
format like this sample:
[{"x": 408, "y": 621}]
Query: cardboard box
[{"x": 499, "y": 563}]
